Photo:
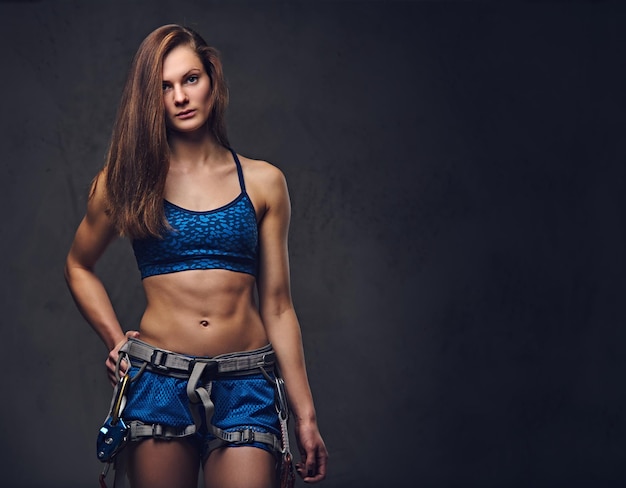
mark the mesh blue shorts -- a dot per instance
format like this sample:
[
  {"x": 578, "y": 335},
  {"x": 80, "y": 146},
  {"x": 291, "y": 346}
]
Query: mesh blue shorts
[{"x": 243, "y": 401}]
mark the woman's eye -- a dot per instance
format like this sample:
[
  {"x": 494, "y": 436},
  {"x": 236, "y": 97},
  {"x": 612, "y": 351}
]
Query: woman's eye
[
  {"x": 166, "y": 87},
  {"x": 192, "y": 79}
]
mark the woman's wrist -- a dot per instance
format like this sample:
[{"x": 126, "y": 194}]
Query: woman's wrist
[{"x": 306, "y": 418}]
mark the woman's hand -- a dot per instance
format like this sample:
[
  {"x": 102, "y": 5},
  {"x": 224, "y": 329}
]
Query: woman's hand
[
  {"x": 313, "y": 453},
  {"x": 111, "y": 361}
]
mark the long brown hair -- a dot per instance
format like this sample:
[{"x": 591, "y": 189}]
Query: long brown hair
[{"x": 138, "y": 158}]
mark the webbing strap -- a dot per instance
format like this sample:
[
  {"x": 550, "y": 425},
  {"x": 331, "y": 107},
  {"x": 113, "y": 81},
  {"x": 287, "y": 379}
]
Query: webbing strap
[
  {"x": 200, "y": 394},
  {"x": 160, "y": 359},
  {"x": 244, "y": 436},
  {"x": 140, "y": 430}
]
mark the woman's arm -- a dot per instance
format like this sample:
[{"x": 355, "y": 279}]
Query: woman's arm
[
  {"x": 281, "y": 323},
  {"x": 94, "y": 234}
]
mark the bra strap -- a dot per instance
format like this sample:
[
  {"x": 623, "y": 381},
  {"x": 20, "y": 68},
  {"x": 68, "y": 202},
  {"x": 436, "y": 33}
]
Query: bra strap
[{"x": 242, "y": 184}]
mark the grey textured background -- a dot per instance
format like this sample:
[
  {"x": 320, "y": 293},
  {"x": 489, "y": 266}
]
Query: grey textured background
[{"x": 457, "y": 178}]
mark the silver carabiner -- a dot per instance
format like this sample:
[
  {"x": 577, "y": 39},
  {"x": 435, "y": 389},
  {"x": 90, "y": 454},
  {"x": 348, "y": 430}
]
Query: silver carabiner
[{"x": 282, "y": 407}]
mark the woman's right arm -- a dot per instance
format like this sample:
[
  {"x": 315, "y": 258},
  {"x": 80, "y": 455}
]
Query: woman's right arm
[{"x": 94, "y": 234}]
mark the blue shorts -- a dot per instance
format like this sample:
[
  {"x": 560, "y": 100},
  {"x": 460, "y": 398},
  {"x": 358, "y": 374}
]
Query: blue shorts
[{"x": 241, "y": 402}]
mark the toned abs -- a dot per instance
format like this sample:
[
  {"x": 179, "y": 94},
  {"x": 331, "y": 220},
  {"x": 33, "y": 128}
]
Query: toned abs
[{"x": 202, "y": 312}]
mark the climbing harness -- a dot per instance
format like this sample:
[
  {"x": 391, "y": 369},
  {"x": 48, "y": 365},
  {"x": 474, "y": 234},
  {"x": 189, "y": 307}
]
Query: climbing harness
[{"x": 199, "y": 372}]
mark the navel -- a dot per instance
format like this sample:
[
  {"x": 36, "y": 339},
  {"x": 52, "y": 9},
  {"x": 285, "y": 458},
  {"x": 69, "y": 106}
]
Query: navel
[{"x": 204, "y": 323}]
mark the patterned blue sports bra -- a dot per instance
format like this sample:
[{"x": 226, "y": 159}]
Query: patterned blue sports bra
[{"x": 224, "y": 238}]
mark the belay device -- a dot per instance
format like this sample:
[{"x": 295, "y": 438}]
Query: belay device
[{"x": 114, "y": 433}]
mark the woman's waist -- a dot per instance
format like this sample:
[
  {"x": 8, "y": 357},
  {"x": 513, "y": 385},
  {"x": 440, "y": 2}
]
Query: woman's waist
[{"x": 198, "y": 334}]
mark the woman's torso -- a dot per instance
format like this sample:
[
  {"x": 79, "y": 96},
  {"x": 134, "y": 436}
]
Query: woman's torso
[
  {"x": 200, "y": 280},
  {"x": 202, "y": 312}
]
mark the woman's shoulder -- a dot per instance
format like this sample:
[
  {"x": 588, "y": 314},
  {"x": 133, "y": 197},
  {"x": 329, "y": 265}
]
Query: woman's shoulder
[
  {"x": 260, "y": 172},
  {"x": 265, "y": 184}
]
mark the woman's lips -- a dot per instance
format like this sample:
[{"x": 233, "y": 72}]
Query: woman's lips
[{"x": 186, "y": 114}]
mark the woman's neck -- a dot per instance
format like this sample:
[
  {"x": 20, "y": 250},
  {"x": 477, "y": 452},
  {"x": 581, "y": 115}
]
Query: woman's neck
[{"x": 194, "y": 148}]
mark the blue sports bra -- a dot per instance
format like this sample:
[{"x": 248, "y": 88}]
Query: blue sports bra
[{"x": 224, "y": 238}]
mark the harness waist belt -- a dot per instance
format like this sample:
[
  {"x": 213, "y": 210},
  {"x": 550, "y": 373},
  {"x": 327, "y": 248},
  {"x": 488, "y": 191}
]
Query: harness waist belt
[{"x": 161, "y": 359}]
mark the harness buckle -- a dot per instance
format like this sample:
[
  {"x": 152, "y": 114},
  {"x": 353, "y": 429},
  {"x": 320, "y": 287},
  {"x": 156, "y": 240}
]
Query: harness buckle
[
  {"x": 267, "y": 359},
  {"x": 247, "y": 437},
  {"x": 158, "y": 359},
  {"x": 157, "y": 431}
]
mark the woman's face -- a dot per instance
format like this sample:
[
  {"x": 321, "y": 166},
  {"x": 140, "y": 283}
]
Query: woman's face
[{"x": 186, "y": 90}]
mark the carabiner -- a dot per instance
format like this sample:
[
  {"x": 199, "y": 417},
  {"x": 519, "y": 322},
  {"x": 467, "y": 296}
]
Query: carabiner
[
  {"x": 282, "y": 407},
  {"x": 120, "y": 396}
]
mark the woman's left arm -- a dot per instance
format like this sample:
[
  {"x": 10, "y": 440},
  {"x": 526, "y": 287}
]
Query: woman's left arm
[{"x": 281, "y": 323}]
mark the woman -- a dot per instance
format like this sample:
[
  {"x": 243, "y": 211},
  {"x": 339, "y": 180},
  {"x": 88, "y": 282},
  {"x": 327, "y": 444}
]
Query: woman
[{"x": 209, "y": 229}]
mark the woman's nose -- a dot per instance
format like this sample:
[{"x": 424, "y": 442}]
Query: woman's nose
[{"x": 180, "y": 97}]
